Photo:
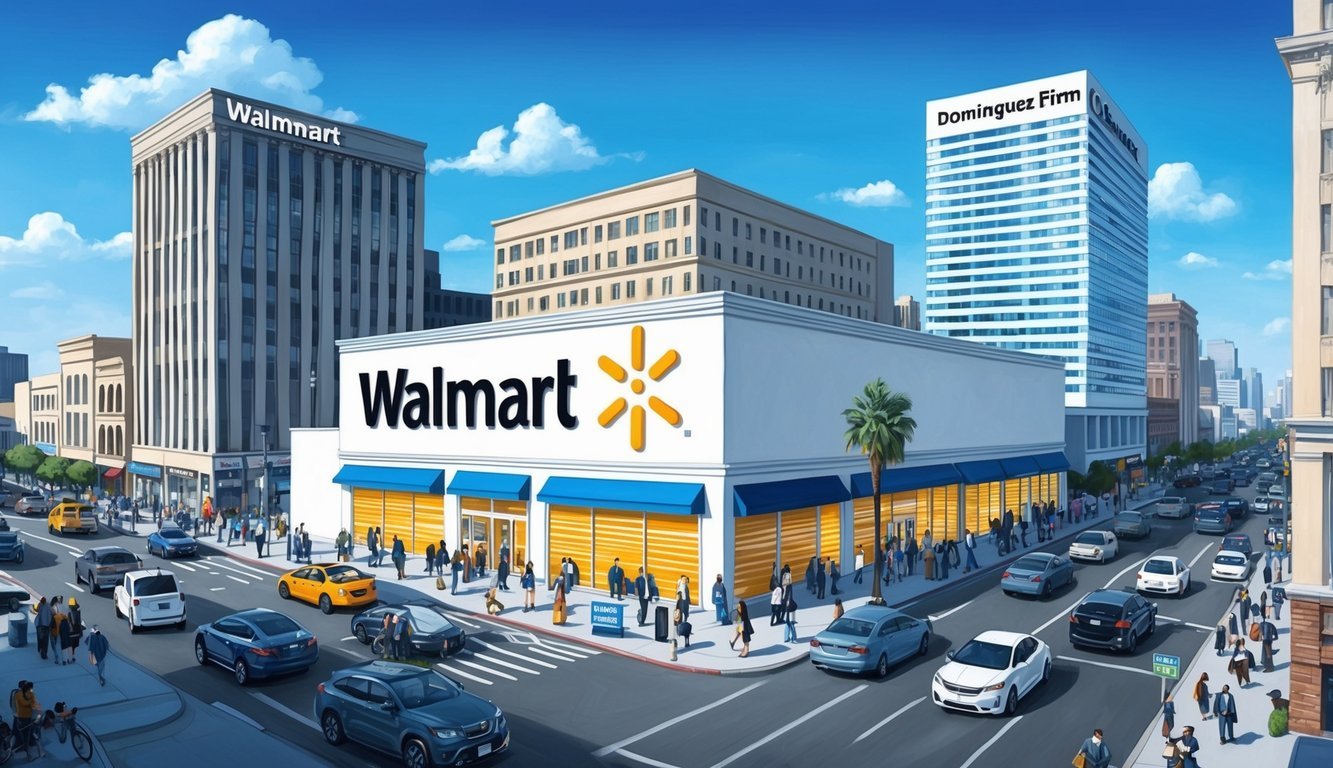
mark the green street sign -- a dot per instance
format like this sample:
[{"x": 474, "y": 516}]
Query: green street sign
[{"x": 1166, "y": 666}]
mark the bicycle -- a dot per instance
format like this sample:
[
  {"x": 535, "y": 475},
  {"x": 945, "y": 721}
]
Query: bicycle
[{"x": 68, "y": 727}]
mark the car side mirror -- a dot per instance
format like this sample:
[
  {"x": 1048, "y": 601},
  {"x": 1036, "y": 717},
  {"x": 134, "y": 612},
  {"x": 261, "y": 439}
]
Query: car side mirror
[
  {"x": 389, "y": 706},
  {"x": 949, "y": 655}
]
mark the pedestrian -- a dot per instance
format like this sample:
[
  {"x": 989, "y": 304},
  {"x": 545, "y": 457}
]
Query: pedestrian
[
  {"x": 502, "y": 568},
  {"x": 430, "y": 559},
  {"x": 810, "y": 576},
  {"x": 821, "y": 579},
  {"x": 305, "y": 545},
  {"x": 456, "y": 567},
  {"x": 746, "y": 629},
  {"x": 567, "y": 569},
  {"x": 927, "y": 542},
  {"x": 43, "y": 626},
  {"x": 789, "y": 620},
  {"x": 261, "y": 532},
  {"x": 1263, "y": 604},
  {"x": 26, "y": 710},
  {"x": 833, "y": 574},
  {"x": 559, "y": 607},
  {"x": 1094, "y": 751},
  {"x": 1279, "y": 597},
  {"x": 1187, "y": 747},
  {"x": 673, "y": 631},
  {"x": 1268, "y": 635},
  {"x": 399, "y": 557},
  {"x": 528, "y": 583},
  {"x": 1202, "y": 695},
  {"x": 1224, "y": 706},
  {"x": 970, "y": 546},
  {"x": 341, "y": 543},
  {"x": 232, "y": 523},
  {"x": 1233, "y": 627},
  {"x": 57, "y": 618},
  {"x": 886, "y": 552},
  {"x": 858, "y": 563},
  {"x": 379, "y": 547},
  {"x": 245, "y": 528},
  {"x": 929, "y": 559},
  {"x": 942, "y": 560},
  {"x": 65, "y": 632},
  {"x": 683, "y": 608},
  {"x": 1244, "y": 600},
  {"x": 480, "y": 556},
  {"x": 1241, "y": 663},
  {"x": 653, "y": 593},
  {"x": 641, "y": 592},
  {"x": 1220, "y": 640},
  {"x": 1023, "y": 531},
  {"x": 720, "y": 607},
  {"x": 75, "y": 631},
  {"x": 838, "y": 609},
  {"x": 98, "y": 648},
  {"x": 900, "y": 560},
  {"x": 441, "y": 557},
  {"x": 386, "y": 634},
  {"x": 1268, "y": 574},
  {"x": 1168, "y": 714},
  {"x": 775, "y": 602},
  {"x": 909, "y": 555},
  {"x": 615, "y": 579},
  {"x": 223, "y": 522}
]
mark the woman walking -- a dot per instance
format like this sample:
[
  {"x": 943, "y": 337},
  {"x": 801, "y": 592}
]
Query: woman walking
[
  {"x": 789, "y": 622},
  {"x": 1168, "y": 715},
  {"x": 529, "y": 585},
  {"x": 747, "y": 630},
  {"x": 559, "y": 608},
  {"x": 1241, "y": 661},
  {"x": 399, "y": 557},
  {"x": 1202, "y": 695},
  {"x": 75, "y": 631}
]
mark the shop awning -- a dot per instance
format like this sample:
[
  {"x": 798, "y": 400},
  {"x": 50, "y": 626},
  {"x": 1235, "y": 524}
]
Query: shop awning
[
  {"x": 765, "y": 498},
  {"x": 1020, "y": 466},
  {"x": 630, "y": 495},
  {"x": 1052, "y": 462},
  {"x": 491, "y": 485},
  {"x": 986, "y": 471},
  {"x": 112, "y": 473},
  {"x": 897, "y": 479},
  {"x": 391, "y": 478}
]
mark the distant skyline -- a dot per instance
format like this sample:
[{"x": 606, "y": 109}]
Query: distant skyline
[{"x": 822, "y": 108}]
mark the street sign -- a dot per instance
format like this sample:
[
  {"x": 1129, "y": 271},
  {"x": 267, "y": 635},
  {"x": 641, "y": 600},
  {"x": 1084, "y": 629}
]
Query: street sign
[
  {"x": 1166, "y": 666},
  {"x": 608, "y": 618}
]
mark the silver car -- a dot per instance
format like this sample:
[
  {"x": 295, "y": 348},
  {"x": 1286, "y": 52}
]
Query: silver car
[
  {"x": 1174, "y": 507},
  {"x": 1131, "y": 525},
  {"x": 105, "y": 566}
]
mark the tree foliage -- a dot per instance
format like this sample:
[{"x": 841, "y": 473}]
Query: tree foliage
[
  {"x": 52, "y": 470},
  {"x": 81, "y": 474},
  {"x": 24, "y": 459}
]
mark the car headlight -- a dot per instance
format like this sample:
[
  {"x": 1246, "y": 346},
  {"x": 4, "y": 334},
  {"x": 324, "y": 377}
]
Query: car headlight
[
  {"x": 939, "y": 680},
  {"x": 996, "y": 687},
  {"x": 342, "y": 592},
  {"x": 446, "y": 733}
]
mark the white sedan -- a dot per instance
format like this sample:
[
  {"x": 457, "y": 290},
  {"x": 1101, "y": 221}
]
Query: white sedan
[
  {"x": 1164, "y": 575},
  {"x": 991, "y": 672},
  {"x": 150, "y": 599},
  {"x": 1229, "y": 565},
  {"x": 1094, "y": 545}
]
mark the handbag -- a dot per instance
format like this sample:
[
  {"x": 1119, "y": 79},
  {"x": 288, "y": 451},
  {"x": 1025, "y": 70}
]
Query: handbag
[
  {"x": 1166, "y": 733},
  {"x": 1254, "y": 632},
  {"x": 439, "y": 582},
  {"x": 1170, "y": 751},
  {"x": 1080, "y": 760}
]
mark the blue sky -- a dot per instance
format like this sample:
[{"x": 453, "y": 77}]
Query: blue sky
[{"x": 794, "y": 100}]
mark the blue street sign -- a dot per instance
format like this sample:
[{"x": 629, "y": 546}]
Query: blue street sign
[
  {"x": 608, "y": 618},
  {"x": 1166, "y": 665}
]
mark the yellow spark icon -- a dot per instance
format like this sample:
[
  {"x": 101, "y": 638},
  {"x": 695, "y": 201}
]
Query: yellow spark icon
[{"x": 658, "y": 371}]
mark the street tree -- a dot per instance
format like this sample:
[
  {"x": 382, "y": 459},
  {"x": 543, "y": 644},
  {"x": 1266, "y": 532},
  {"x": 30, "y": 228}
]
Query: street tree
[
  {"x": 52, "y": 471},
  {"x": 24, "y": 459},
  {"x": 81, "y": 474}
]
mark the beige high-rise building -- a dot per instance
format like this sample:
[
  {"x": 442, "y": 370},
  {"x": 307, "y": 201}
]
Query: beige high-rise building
[
  {"x": 1307, "y": 55},
  {"x": 907, "y": 313},
  {"x": 688, "y": 232},
  {"x": 1173, "y": 371}
]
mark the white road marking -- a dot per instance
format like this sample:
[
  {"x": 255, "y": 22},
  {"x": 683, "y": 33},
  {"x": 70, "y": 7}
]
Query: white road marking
[
  {"x": 645, "y": 760},
  {"x": 216, "y": 589},
  {"x": 239, "y": 580},
  {"x": 1206, "y": 547},
  {"x": 504, "y": 663},
  {"x": 212, "y": 573},
  {"x": 349, "y": 637},
  {"x": 239, "y": 715},
  {"x": 191, "y": 569},
  {"x": 497, "y": 649},
  {"x": 551, "y": 654},
  {"x": 1107, "y": 666},
  {"x": 454, "y": 617},
  {"x": 889, "y": 719},
  {"x": 798, "y": 722},
  {"x": 488, "y": 670},
  {"x": 284, "y": 709},
  {"x": 234, "y": 570},
  {"x": 74, "y": 586},
  {"x": 604, "y": 751},
  {"x": 563, "y": 648},
  {"x": 75, "y": 550},
  {"x": 1073, "y": 605},
  {"x": 460, "y": 672},
  {"x": 256, "y": 571},
  {"x": 1174, "y": 620},
  {"x": 993, "y": 739},
  {"x": 951, "y": 610}
]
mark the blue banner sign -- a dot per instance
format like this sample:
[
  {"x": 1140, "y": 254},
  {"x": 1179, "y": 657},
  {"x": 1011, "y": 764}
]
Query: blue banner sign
[{"x": 608, "y": 618}]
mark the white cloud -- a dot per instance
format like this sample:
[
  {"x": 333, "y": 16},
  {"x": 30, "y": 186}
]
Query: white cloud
[
  {"x": 876, "y": 194},
  {"x": 1277, "y": 325},
  {"x": 1277, "y": 269},
  {"x": 541, "y": 143},
  {"x": 50, "y": 237},
  {"x": 463, "y": 243},
  {"x": 1193, "y": 260},
  {"x": 1176, "y": 192},
  {"x": 44, "y": 291},
  {"x": 232, "y": 53}
]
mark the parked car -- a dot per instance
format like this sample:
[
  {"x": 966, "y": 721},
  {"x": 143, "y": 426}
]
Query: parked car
[
  {"x": 1238, "y": 542},
  {"x": 12, "y": 596},
  {"x": 104, "y": 566},
  {"x": 1237, "y": 506},
  {"x": 1175, "y": 507},
  {"x": 1229, "y": 565},
  {"x": 171, "y": 541},
  {"x": 1263, "y": 463},
  {"x": 1221, "y": 486},
  {"x": 1131, "y": 525},
  {"x": 1191, "y": 480},
  {"x": 1311, "y": 752},
  {"x": 403, "y": 710},
  {"x": 1113, "y": 619},
  {"x": 1164, "y": 575},
  {"x": 1277, "y": 492},
  {"x": 1094, "y": 545},
  {"x": 32, "y": 504},
  {"x": 150, "y": 599},
  {"x": 1038, "y": 573},
  {"x": 72, "y": 517},
  {"x": 433, "y": 633},
  {"x": 1212, "y": 518},
  {"x": 11, "y": 546},
  {"x": 991, "y": 672},
  {"x": 328, "y": 585},
  {"x": 1264, "y": 482},
  {"x": 256, "y": 643}
]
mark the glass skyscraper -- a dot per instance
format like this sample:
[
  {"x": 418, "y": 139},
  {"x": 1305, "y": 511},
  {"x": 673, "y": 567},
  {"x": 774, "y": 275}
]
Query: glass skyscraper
[{"x": 1037, "y": 240}]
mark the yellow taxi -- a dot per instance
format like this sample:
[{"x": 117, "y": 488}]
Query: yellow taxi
[
  {"x": 72, "y": 517},
  {"x": 328, "y": 585}
]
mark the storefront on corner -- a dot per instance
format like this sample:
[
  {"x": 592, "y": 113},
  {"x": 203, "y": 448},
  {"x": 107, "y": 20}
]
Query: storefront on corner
[
  {"x": 146, "y": 483},
  {"x": 690, "y": 436}
]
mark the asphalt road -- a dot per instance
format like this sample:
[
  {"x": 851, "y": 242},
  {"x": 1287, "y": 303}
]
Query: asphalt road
[{"x": 570, "y": 706}]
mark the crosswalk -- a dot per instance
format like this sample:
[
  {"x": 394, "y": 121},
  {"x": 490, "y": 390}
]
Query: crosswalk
[{"x": 217, "y": 566}]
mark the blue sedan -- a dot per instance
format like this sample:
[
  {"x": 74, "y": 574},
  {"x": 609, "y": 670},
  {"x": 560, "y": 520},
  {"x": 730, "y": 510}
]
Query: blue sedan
[
  {"x": 870, "y": 638},
  {"x": 1039, "y": 573},
  {"x": 256, "y": 643},
  {"x": 172, "y": 542}
]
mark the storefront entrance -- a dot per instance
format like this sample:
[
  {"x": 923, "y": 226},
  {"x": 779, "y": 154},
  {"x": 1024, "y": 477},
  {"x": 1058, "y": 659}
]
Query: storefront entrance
[{"x": 496, "y": 525}]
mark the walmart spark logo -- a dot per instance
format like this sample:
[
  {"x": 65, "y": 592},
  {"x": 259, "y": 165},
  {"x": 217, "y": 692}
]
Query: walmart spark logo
[{"x": 664, "y": 365}]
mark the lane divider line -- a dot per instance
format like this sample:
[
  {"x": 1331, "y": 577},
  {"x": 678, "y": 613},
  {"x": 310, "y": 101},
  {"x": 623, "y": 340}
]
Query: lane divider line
[
  {"x": 888, "y": 719},
  {"x": 284, "y": 709},
  {"x": 552, "y": 654},
  {"x": 256, "y": 571},
  {"x": 216, "y": 589},
  {"x": 189, "y": 568},
  {"x": 1105, "y": 665},
  {"x": 992, "y": 740},
  {"x": 75, "y": 550},
  {"x": 1074, "y": 604},
  {"x": 625, "y": 742},
  {"x": 461, "y": 673},
  {"x": 1206, "y": 547},
  {"x": 234, "y": 570},
  {"x": 239, "y": 580},
  {"x": 951, "y": 610},
  {"x": 74, "y": 586},
  {"x": 1174, "y": 620},
  {"x": 798, "y": 722}
]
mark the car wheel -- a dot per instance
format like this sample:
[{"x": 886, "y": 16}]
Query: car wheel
[
  {"x": 1133, "y": 643},
  {"x": 242, "y": 672},
  {"x": 1011, "y": 703},
  {"x": 1046, "y": 590},
  {"x": 200, "y": 652},
  {"x": 332, "y": 727},
  {"x": 180, "y": 625},
  {"x": 415, "y": 755},
  {"x": 92, "y": 585},
  {"x": 115, "y": 606},
  {"x": 51, "y": 528},
  {"x": 129, "y": 619},
  {"x": 283, "y": 591},
  {"x": 1152, "y": 626},
  {"x": 882, "y": 667},
  {"x": 925, "y": 645},
  {"x": 361, "y": 635},
  {"x": 1046, "y": 672},
  {"x": 20, "y": 557},
  {"x": 325, "y": 604},
  {"x": 14, "y": 604}
]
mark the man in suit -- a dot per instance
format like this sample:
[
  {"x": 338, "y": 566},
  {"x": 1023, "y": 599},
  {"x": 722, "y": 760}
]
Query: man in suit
[
  {"x": 615, "y": 579},
  {"x": 1268, "y": 634},
  {"x": 1224, "y": 706},
  {"x": 641, "y": 592},
  {"x": 1189, "y": 748},
  {"x": 1095, "y": 751}
]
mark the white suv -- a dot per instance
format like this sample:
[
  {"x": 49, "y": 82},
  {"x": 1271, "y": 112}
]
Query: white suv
[{"x": 150, "y": 599}]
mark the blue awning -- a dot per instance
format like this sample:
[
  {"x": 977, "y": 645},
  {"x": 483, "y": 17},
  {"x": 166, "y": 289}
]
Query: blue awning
[
  {"x": 986, "y": 471},
  {"x": 764, "y": 498},
  {"x": 1020, "y": 466},
  {"x": 896, "y": 479},
  {"x": 629, "y": 495},
  {"x": 391, "y": 478},
  {"x": 491, "y": 485},
  {"x": 1052, "y": 462}
]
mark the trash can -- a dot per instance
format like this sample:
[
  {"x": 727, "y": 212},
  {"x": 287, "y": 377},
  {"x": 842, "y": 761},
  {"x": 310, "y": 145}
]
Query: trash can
[
  {"x": 661, "y": 623},
  {"x": 18, "y": 630}
]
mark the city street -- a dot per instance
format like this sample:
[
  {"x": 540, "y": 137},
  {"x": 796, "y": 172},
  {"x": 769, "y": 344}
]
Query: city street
[{"x": 571, "y": 703}]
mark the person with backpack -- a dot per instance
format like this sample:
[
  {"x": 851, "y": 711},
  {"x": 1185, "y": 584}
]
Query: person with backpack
[
  {"x": 430, "y": 559},
  {"x": 98, "y": 649},
  {"x": 75, "y": 631}
]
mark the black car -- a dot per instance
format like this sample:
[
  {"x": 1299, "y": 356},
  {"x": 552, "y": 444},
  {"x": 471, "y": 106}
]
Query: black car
[
  {"x": 1221, "y": 486},
  {"x": 1112, "y": 619},
  {"x": 1188, "y": 481},
  {"x": 433, "y": 634}
]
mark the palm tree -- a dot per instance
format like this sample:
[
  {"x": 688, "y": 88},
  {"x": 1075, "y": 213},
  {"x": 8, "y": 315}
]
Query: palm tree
[{"x": 878, "y": 425}]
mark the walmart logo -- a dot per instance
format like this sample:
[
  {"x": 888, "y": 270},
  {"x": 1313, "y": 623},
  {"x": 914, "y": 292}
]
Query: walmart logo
[{"x": 664, "y": 365}]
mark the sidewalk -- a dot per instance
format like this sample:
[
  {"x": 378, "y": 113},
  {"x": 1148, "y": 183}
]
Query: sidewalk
[
  {"x": 709, "y": 652},
  {"x": 1253, "y": 747}
]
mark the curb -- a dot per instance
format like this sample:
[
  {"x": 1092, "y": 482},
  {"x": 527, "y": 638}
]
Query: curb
[{"x": 225, "y": 550}]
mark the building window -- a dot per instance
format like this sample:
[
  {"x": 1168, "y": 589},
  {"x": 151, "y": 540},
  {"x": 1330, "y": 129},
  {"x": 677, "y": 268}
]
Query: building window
[
  {"x": 685, "y": 282},
  {"x": 1326, "y": 393},
  {"x": 544, "y": 303},
  {"x": 596, "y": 261},
  {"x": 530, "y": 303},
  {"x": 1328, "y": 14},
  {"x": 749, "y": 258},
  {"x": 1325, "y": 228},
  {"x": 669, "y": 220},
  {"x": 571, "y": 239},
  {"x": 612, "y": 259},
  {"x": 749, "y": 231},
  {"x": 735, "y": 227},
  {"x": 555, "y": 243},
  {"x": 631, "y": 226},
  {"x": 597, "y": 234},
  {"x": 717, "y": 283},
  {"x": 651, "y": 222},
  {"x": 499, "y": 256},
  {"x": 615, "y": 291},
  {"x": 763, "y": 235},
  {"x": 717, "y": 221},
  {"x": 685, "y": 212},
  {"x": 527, "y": 250},
  {"x": 631, "y": 255},
  {"x": 515, "y": 253},
  {"x": 670, "y": 248},
  {"x": 583, "y": 236},
  {"x": 648, "y": 287},
  {"x": 613, "y": 230},
  {"x": 689, "y": 245},
  {"x": 560, "y": 300},
  {"x": 1326, "y": 314},
  {"x": 629, "y": 289},
  {"x": 650, "y": 251},
  {"x": 599, "y": 294},
  {"x": 541, "y": 246}
]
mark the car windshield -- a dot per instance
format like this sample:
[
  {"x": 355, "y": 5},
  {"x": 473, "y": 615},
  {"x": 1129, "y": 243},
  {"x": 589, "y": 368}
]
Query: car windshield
[
  {"x": 157, "y": 584},
  {"x": 851, "y": 627},
  {"x": 1168, "y": 500},
  {"x": 1029, "y": 564},
  {"x": 117, "y": 558},
  {"x": 274, "y": 624},
  {"x": 8, "y": 537},
  {"x": 1129, "y": 517},
  {"x": 1230, "y": 560},
  {"x": 173, "y": 533},
  {"x": 980, "y": 654},
  {"x": 1159, "y": 566},
  {"x": 1236, "y": 541},
  {"x": 87, "y": 512},
  {"x": 1089, "y": 538},
  {"x": 341, "y": 574},
  {"x": 1098, "y": 608},
  {"x": 424, "y": 689},
  {"x": 428, "y": 620}
]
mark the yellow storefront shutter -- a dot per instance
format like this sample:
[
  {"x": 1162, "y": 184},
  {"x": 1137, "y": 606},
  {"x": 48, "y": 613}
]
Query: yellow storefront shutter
[
  {"x": 367, "y": 512},
  {"x": 755, "y": 549},
  {"x": 830, "y": 532},
  {"x": 398, "y": 518},
  {"x": 428, "y": 518},
  {"x": 615, "y": 534},
  {"x": 797, "y": 542},
  {"x": 673, "y": 549},
  {"x": 863, "y": 523},
  {"x": 569, "y": 535}
]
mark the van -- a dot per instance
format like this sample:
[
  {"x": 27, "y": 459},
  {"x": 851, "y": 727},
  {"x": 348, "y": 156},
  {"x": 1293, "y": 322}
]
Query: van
[{"x": 72, "y": 517}]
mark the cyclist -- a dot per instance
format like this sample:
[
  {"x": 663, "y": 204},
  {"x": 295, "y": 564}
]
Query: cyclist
[{"x": 25, "y": 705}]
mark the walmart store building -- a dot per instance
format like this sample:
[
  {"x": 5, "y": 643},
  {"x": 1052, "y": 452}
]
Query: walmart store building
[{"x": 695, "y": 435}]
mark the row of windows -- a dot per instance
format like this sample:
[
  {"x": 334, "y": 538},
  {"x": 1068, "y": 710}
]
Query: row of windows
[
  {"x": 781, "y": 240},
  {"x": 1023, "y": 248},
  {"x": 1059, "y": 202},
  {"x": 76, "y": 389},
  {"x": 76, "y": 429},
  {"x": 1034, "y": 126},
  {"x": 111, "y": 440},
  {"x": 840, "y": 281},
  {"x": 1018, "y": 142},
  {"x": 939, "y": 265},
  {"x": 998, "y": 276},
  {"x": 968, "y": 162},
  {"x": 43, "y": 402},
  {"x": 43, "y": 432},
  {"x": 580, "y": 296},
  {"x": 583, "y": 264},
  {"x": 652, "y": 222},
  {"x": 933, "y": 191},
  {"x": 1014, "y": 222},
  {"x": 1037, "y": 165}
]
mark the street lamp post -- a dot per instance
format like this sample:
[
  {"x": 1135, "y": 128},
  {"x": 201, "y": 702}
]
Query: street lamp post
[
  {"x": 263, "y": 497},
  {"x": 312, "y": 397}
]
